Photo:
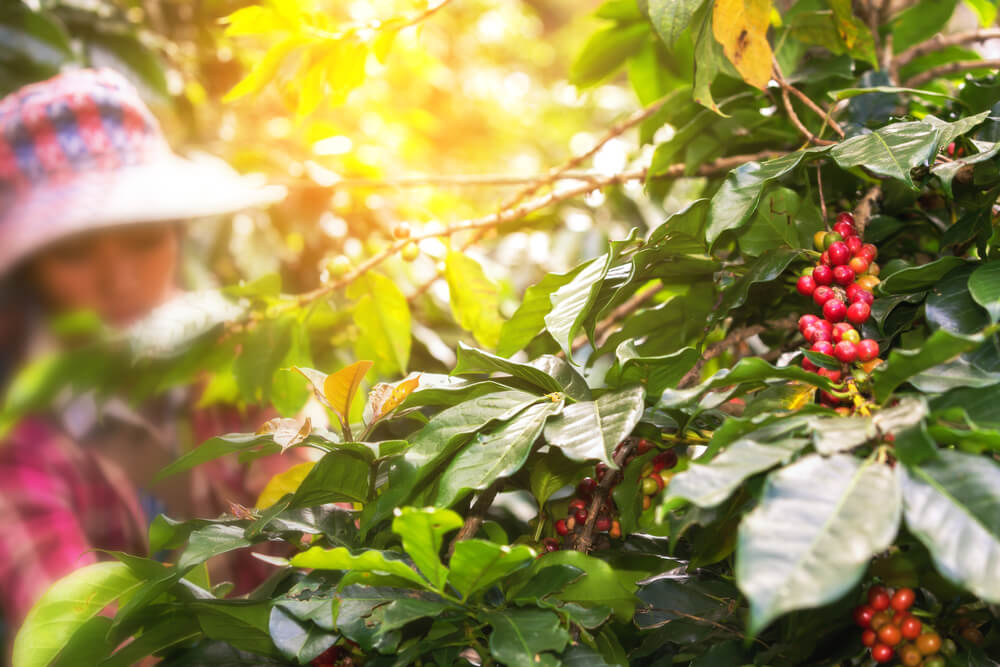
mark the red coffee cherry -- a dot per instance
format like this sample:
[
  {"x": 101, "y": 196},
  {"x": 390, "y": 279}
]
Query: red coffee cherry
[
  {"x": 863, "y": 614},
  {"x": 823, "y": 275},
  {"x": 869, "y": 252},
  {"x": 644, "y": 446},
  {"x": 859, "y": 265},
  {"x": 858, "y": 312},
  {"x": 868, "y": 637},
  {"x": 845, "y": 352},
  {"x": 667, "y": 460},
  {"x": 863, "y": 295},
  {"x": 839, "y": 253},
  {"x": 806, "y": 285},
  {"x": 824, "y": 259},
  {"x": 843, "y": 275},
  {"x": 822, "y": 295},
  {"x": 902, "y": 599},
  {"x": 580, "y": 515},
  {"x": 889, "y": 634},
  {"x": 603, "y": 524},
  {"x": 846, "y": 216},
  {"x": 817, "y": 333},
  {"x": 839, "y": 329},
  {"x": 911, "y": 627},
  {"x": 854, "y": 244},
  {"x": 845, "y": 229},
  {"x": 823, "y": 347},
  {"x": 577, "y": 504},
  {"x": 586, "y": 487},
  {"x": 561, "y": 527},
  {"x": 806, "y": 321},
  {"x": 832, "y": 375},
  {"x": 834, "y": 310},
  {"x": 882, "y": 653},
  {"x": 878, "y": 598}
]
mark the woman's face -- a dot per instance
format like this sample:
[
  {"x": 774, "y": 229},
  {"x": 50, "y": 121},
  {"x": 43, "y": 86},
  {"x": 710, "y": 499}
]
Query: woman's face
[{"x": 121, "y": 274}]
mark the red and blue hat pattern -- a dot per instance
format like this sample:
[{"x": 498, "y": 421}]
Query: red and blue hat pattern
[{"x": 80, "y": 121}]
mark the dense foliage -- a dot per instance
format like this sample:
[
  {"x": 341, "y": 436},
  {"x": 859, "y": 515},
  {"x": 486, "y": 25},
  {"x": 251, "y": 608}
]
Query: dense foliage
[{"x": 434, "y": 528}]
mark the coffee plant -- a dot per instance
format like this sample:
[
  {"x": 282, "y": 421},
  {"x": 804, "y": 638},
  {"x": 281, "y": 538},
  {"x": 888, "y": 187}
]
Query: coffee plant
[{"x": 763, "y": 431}]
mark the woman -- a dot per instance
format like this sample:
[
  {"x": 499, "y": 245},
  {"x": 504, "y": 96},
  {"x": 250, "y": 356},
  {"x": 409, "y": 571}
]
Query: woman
[{"x": 91, "y": 202}]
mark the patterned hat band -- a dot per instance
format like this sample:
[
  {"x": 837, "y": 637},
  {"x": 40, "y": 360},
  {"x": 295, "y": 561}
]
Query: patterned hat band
[{"x": 82, "y": 151}]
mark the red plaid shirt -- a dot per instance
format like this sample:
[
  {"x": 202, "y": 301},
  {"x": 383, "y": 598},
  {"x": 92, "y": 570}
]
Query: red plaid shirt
[{"x": 59, "y": 501}]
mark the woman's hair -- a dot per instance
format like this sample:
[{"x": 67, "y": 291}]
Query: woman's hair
[{"x": 19, "y": 307}]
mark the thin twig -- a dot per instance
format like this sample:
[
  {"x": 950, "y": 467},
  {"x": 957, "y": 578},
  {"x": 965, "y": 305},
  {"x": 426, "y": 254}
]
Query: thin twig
[
  {"x": 477, "y": 514},
  {"x": 523, "y": 210},
  {"x": 601, "y": 495},
  {"x": 825, "y": 115},
  {"x": 735, "y": 336},
  {"x": 943, "y": 41},
  {"x": 459, "y": 180},
  {"x": 951, "y": 68},
  {"x": 605, "y": 327},
  {"x": 794, "y": 117},
  {"x": 822, "y": 199}
]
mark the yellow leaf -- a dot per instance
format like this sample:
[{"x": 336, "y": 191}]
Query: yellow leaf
[
  {"x": 741, "y": 27},
  {"x": 340, "y": 387},
  {"x": 801, "y": 397},
  {"x": 264, "y": 71},
  {"x": 282, "y": 483},
  {"x": 386, "y": 398}
]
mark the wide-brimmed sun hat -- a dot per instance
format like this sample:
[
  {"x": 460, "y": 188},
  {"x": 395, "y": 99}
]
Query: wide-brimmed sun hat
[{"x": 81, "y": 151}]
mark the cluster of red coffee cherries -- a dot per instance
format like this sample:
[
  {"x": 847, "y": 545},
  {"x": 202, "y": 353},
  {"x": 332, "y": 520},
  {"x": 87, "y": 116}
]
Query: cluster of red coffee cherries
[
  {"x": 652, "y": 481},
  {"x": 889, "y": 629},
  {"x": 841, "y": 285}
]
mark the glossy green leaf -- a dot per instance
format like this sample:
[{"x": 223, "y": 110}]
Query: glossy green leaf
[
  {"x": 605, "y": 52},
  {"x": 654, "y": 373},
  {"x": 602, "y": 584},
  {"x": 520, "y": 635},
  {"x": 552, "y": 471},
  {"x": 783, "y": 219},
  {"x": 708, "y": 484},
  {"x": 901, "y": 365},
  {"x": 340, "y": 476},
  {"x": 65, "y": 607},
  {"x": 839, "y": 434},
  {"x": 422, "y": 531},
  {"x": 437, "y": 442},
  {"x": 475, "y": 299},
  {"x": 809, "y": 541},
  {"x": 950, "y": 305},
  {"x": 471, "y": 360},
  {"x": 947, "y": 171},
  {"x": 918, "y": 278},
  {"x": 495, "y": 453},
  {"x": 890, "y": 151},
  {"x": 952, "y": 504},
  {"x": 376, "y": 562},
  {"x": 765, "y": 268},
  {"x": 736, "y": 201},
  {"x": 984, "y": 286},
  {"x": 300, "y": 641},
  {"x": 382, "y": 315},
  {"x": 477, "y": 564},
  {"x": 920, "y": 22},
  {"x": 573, "y": 384},
  {"x": 572, "y": 302},
  {"x": 529, "y": 319},
  {"x": 591, "y": 430},
  {"x": 672, "y": 17}
]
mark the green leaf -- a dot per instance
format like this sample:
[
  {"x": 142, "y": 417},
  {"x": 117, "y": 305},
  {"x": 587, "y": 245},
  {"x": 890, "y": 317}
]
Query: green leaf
[
  {"x": 654, "y": 373},
  {"x": 605, "y": 52},
  {"x": 591, "y": 430},
  {"x": 603, "y": 585},
  {"x": 66, "y": 607},
  {"x": 809, "y": 541},
  {"x": 529, "y": 319},
  {"x": 955, "y": 129},
  {"x": 708, "y": 484},
  {"x": 708, "y": 58},
  {"x": 764, "y": 269},
  {"x": 917, "y": 278},
  {"x": 901, "y": 365},
  {"x": 667, "y": 599},
  {"x": 241, "y": 623},
  {"x": 920, "y": 22},
  {"x": 340, "y": 476},
  {"x": 572, "y": 302},
  {"x": 986, "y": 10},
  {"x": 950, "y": 306},
  {"x": 370, "y": 561},
  {"x": 477, "y": 564},
  {"x": 216, "y": 447},
  {"x": 471, "y": 360},
  {"x": 891, "y": 151},
  {"x": 127, "y": 54},
  {"x": 838, "y": 434},
  {"x": 34, "y": 35},
  {"x": 783, "y": 219},
  {"x": 519, "y": 635},
  {"x": 475, "y": 300},
  {"x": 952, "y": 504},
  {"x": 299, "y": 641},
  {"x": 493, "y": 454},
  {"x": 573, "y": 384},
  {"x": 163, "y": 633},
  {"x": 354, "y": 607},
  {"x": 672, "y": 17},
  {"x": 422, "y": 531},
  {"x": 550, "y": 472},
  {"x": 383, "y": 318},
  {"x": 946, "y": 171},
  {"x": 984, "y": 286},
  {"x": 208, "y": 541},
  {"x": 737, "y": 199},
  {"x": 437, "y": 441}
]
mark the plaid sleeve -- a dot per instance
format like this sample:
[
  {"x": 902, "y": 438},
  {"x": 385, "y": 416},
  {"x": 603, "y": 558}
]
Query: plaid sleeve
[{"x": 42, "y": 539}]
